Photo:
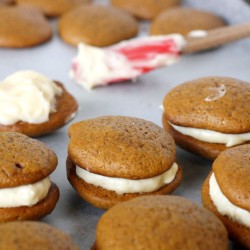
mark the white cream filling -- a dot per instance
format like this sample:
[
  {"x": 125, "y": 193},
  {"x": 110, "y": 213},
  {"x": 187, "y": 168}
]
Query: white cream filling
[
  {"x": 27, "y": 96},
  {"x": 224, "y": 206},
  {"x": 212, "y": 136},
  {"x": 26, "y": 195},
  {"x": 122, "y": 185}
]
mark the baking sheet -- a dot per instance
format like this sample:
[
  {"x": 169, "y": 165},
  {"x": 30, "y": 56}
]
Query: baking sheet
[{"x": 140, "y": 99}]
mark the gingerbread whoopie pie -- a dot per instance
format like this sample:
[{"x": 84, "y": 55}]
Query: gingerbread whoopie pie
[
  {"x": 226, "y": 192},
  {"x": 33, "y": 104},
  {"x": 160, "y": 222},
  {"x": 148, "y": 9},
  {"x": 109, "y": 25},
  {"x": 27, "y": 235},
  {"x": 53, "y": 7},
  {"x": 208, "y": 115},
  {"x": 115, "y": 158},
  {"x": 26, "y": 192},
  {"x": 183, "y": 20},
  {"x": 23, "y": 26}
]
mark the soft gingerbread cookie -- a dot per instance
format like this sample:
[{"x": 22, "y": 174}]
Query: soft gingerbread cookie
[
  {"x": 54, "y": 7},
  {"x": 159, "y": 222},
  {"x": 26, "y": 235},
  {"x": 214, "y": 106},
  {"x": 148, "y": 9},
  {"x": 25, "y": 161},
  {"x": 231, "y": 171},
  {"x": 26, "y": 27},
  {"x": 97, "y": 25},
  {"x": 184, "y": 20},
  {"x": 124, "y": 148}
]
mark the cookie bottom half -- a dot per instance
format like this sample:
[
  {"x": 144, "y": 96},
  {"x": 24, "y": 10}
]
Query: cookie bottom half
[
  {"x": 204, "y": 149},
  {"x": 66, "y": 105},
  {"x": 105, "y": 199},
  {"x": 237, "y": 232},
  {"x": 39, "y": 210}
]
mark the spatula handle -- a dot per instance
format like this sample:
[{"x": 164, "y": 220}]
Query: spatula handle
[{"x": 217, "y": 37}]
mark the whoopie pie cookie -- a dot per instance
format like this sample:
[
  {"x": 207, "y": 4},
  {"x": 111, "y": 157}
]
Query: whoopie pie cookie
[
  {"x": 226, "y": 192},
  {"x": 23, "y": 26},
  {"x": 183, "y": 20},
  {"x": 208, "y": 115},
  {"x": 159, "y": 222},
  {"x": 53, "y": 7},
  {"x": 33, "y": 104},
  {"x": 148, "y": 9},
  {"x": 26, "y": 192},
  {"x": 115, "y": 158},
  {"x": 27, "y": 235},
  {"x": 97, "y": 25}
]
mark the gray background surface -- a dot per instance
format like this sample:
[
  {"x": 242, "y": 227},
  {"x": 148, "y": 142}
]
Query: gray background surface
[{"x": 141, "y": 99}]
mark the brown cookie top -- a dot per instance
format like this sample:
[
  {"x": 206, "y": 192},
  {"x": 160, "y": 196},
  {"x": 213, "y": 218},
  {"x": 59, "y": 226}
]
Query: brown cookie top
[
  {"x": 53, "y": 7},
  {"x": 147, "y": 9},
  {"x": 28, "y": 235},
  {"x": 66, "y": 109},
  {"x": 183, "y": 20},
  {"x": 26, "y": 27},
  {"x": 4, "y": 2},
  {"x": 214, "y": 103},
  {"x": 97, "y": 25},
  {"x": 232, "y": 172},
  {"x": 120, "y": 146},
  {"x": 160, "y": 222},
  {"x": 24, "y": 160}
]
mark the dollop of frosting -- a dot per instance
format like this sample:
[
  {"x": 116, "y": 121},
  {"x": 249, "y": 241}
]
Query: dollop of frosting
[
  {"x": 226, "y": 207},
  {"x": 26, "y": 195},
  {"x": 27, "y": 96},
  {"x": 197, "y": 33},
  {"x": 217, "y": 93},
  {"x": 122, "y": 185}
]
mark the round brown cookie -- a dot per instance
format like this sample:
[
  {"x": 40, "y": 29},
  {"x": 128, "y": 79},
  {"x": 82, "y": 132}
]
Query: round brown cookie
[
  {"x": 217, "y": 104},
  {"x": 66, "y": 108},
  {"x": 54, "y": 7},
  {"x": 26, "y": 161},
  {"x": 109, "y": 25},
  {"x": 183, "y": 20},
  {"x": 129, "y": 148},
  {"x": 26, "y": 235},
  {"x": 148, "y": 9},
  {"x": 26, "y": 27},
  {"x": 6, "y": 2},
  {"x": 159, "y": 222},
  {"x": 236, "y": 230}
]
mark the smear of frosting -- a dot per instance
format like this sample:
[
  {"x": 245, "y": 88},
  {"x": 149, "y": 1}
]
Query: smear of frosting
[{"x": 217, "y": 93}]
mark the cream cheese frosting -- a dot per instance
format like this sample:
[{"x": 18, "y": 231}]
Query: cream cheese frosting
[
  {"x": 27, "y": 96},
  {"x": 26, "y": 195},
  {"x": 213, "y": 136},
  {"x": 197, "y": 33},
  {"x": 97, "y": 66},
  {"x": 226, "y": 207},
  {"x": 122, "y": 185}
]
